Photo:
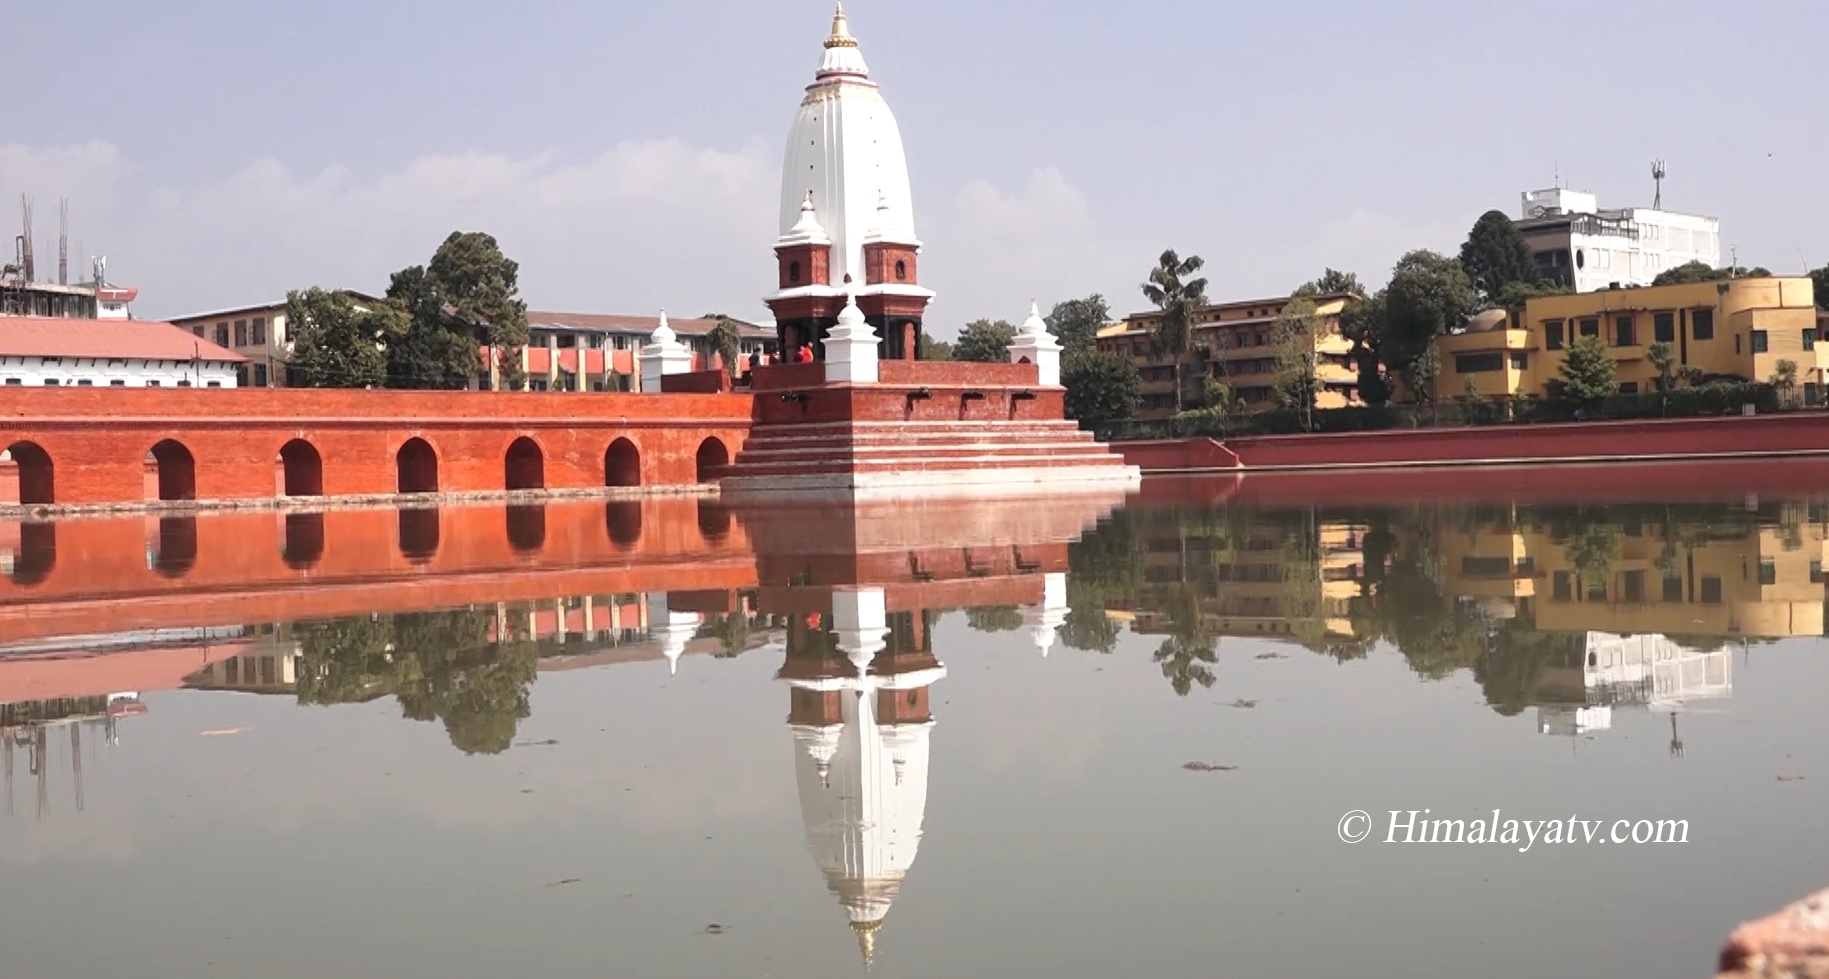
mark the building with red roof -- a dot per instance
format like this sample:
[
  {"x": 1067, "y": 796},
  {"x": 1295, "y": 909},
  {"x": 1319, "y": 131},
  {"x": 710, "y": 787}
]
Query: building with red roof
[{"x": 43, "y": 351}]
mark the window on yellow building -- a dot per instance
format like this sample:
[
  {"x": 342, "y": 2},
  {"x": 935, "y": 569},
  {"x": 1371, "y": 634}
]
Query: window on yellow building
[
  {"x": 1809, "y": 339},
  {"x": 1590, "y": 327},
  {"x": 1479, "y": 363},
  {"x": 1628, "y": 387},
  {"x": 1673, "y": 589},
  {"x": 1702, "y": 324},
  {"x": 1664, "y": 327},
  {"x": 1520, "y": 361},
  {"x": 1623, "y": 335},
  {"x": 1768, "y": 572},
  {"x": 1711, "y": 589},
  {"x": 1759, "y": 341},
  {"x": 1552, "y": 335}
]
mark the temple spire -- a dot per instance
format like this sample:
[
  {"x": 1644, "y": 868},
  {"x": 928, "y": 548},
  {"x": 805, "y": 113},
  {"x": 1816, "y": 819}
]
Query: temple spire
[{"x": 841, "y": 31}]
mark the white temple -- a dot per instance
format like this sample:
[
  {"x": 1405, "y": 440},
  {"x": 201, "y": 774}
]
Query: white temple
[
  {"x": 1649, "y": 670},
  {"x": 862, "y": 776}
]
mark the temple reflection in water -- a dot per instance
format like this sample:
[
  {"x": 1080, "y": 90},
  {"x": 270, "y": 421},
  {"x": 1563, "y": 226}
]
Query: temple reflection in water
[{"x": 1567, "y": 615}]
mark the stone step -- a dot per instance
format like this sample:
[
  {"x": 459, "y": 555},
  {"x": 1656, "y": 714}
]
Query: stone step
[
  {"x": 916, "y": 464},
  {"x": 886, "y": 452},
  {"x": 966, "y": 434}
]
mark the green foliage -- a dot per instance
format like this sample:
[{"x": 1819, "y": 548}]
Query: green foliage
[
  {"x": 994, "y": 618},
  {"x": 985, "y": 342},
  {"x": 1699, "y": 271},
  {"x": 1496, "y": 259},
  {"x": 1076, "y": 322},
  {"x": 1429, "y": 296},
  {"x": 1332, "y": 282},
  {"x": 1516, "y": 293},
  {"x": 1293, "y": 337},
  {"x": 1363, "y": 324},
  {"x": 931, "y": 349},
  {"x": 725, "y": 338},
  {"x": 1101, "y": 387},
  {"x": 468, "y": 291},
  {"x": 337, "y": 344},
  {"x": 1784, "y": 379},
  {"x": 1180, "y": 299},
  {"x": 1821, "y": 278},
  {"x": 1664, "y": 361},
  {"x": 1588, "y": 372},
  {"x": 438, "y": 665}
]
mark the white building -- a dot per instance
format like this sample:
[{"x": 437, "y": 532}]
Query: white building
[
  {"x": 40, "y": 351},
  {"x": 1650, "y": 671},
  {"x": 1587, "y": 248}
]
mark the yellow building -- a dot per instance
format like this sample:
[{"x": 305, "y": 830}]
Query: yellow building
[
  {"x": 1731, "y": 329},
  {"x": 1234, "y": 343}
]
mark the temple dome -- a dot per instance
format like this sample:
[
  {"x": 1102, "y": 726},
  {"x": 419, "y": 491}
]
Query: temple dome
[{"x": 846, "y": 150}]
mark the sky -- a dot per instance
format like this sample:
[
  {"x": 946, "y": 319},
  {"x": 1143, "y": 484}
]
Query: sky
[{"x": 628, "y": 154}]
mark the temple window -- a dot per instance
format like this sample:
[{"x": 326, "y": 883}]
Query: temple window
[
  {"x": 793, "y": 271},
  {"x": 901, "y": 270}
]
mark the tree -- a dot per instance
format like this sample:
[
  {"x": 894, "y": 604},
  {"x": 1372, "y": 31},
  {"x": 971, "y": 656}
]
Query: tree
[
  {"x": 1363, "y": 323},
  {"x": 984, "y": 342},
  {"x": 1664, "y": 361},
  {"x": 1293, "y": 338},
  {"x": 1784, "y": 379},
  {"x": 1429, "y": 295},
  {"x": 337, "y": 344},
  {"x": 1076, "y": 322},
  {"x": 468, "y": 290},
  {"x": 1821, "y": 278},
  {"x": 931, "y": 349},
  {"x": 1180, "y": 299},
  {"x": 728, "y": 342},
  {"x": 1699, "y": 271},
  {"x": 1332, "y": 282},
  {"x": 1495, "y": 257},
  {"x": 1101, "y": 387},
  {"x": 1588, "y": 372}
]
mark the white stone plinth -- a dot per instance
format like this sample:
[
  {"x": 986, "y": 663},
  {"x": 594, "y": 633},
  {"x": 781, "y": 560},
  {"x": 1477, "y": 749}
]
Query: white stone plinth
[
  {"x": 851, "y": 348},
  {"x": 664, "y": 354},
  {"x": 860, "y": 623},
  {"x": 1036, "y": 345}
]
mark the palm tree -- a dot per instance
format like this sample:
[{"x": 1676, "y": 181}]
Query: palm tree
[
  {"x": 1179, "y": 298},
  {"x": 727, "y": 342}
]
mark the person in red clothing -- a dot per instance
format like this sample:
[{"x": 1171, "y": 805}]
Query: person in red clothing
[{"x": 805, "y": 356}]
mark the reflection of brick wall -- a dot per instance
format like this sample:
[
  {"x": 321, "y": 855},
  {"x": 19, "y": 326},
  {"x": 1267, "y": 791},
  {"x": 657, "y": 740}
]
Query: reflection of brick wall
[{"x": 97, "y": 437}]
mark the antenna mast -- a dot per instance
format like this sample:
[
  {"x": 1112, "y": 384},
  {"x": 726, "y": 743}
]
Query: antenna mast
[
  {"x": 1657, "y": 180},
  {"x": 63, "y": 242},
  {"x": 25, "y": 209}
]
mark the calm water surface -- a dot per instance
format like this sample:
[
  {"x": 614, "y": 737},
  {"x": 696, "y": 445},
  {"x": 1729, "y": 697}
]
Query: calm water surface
[{"x": 638, "y": 742}]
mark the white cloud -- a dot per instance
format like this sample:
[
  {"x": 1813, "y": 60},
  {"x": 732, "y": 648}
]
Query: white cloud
[
  {"x": 645, "y": 224},
  {"x": 995, "y": 250}
]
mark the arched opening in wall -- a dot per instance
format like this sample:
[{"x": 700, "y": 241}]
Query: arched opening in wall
[
  {"x": 174, "y": 552},
  {"x": 33, "y": 472},
  {"x": 37, "y": 554},
  {"x": 176, "y": 468},
  {"x": 711, "y": 460},
  {"x": 416, "y": 467},
  {"x": 622, "y": 464},
  {"x": 527, "y": 527},
  {"x": 301, "y": 542},
  {"x": 901, "y": 270},
  {"x": 714, "y": 521},
  {"x": 524, "y": 467},
  {"x": 418, "y": 534},
  {"x": 623, "y": 520},
  {"x": 304, "y": 468}
]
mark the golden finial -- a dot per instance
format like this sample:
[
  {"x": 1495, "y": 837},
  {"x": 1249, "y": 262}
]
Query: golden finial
[
  {"x": 841, "y": 31},
  {"x": 866, "y": 939}
]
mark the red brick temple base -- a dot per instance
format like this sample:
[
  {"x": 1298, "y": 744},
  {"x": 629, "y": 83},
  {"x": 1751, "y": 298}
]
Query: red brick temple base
[{"x": 924, "y": 428}]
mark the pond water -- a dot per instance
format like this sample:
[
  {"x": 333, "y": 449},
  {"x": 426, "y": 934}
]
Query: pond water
[{"x": 679, "y": 741}]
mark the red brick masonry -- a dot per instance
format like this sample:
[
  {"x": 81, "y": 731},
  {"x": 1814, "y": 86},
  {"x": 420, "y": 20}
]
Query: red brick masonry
[{"x": 1794, "y": 434}]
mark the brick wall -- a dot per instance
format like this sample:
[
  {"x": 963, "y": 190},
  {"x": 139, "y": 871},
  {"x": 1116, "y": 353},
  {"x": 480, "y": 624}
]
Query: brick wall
[{"x": 98, "y": 438}]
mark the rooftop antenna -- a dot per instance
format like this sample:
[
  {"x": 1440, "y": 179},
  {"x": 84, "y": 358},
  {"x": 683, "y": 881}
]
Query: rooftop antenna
[
  {"x": 63, "y": 242},
  {"x": 25, "y": 209},
  {"x": 1657, "y": 180}
]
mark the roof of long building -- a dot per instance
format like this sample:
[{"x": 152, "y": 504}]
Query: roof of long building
[{"x": 46, "y": 336}]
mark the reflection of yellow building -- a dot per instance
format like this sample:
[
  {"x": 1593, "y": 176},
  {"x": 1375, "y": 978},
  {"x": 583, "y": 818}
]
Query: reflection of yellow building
[
  {"x": 1257, "y": 583},
  {"x": 1236, "y": 343},
  {"x": 1736, "y": 328},
  {"x": 1764, "y": 582}
]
